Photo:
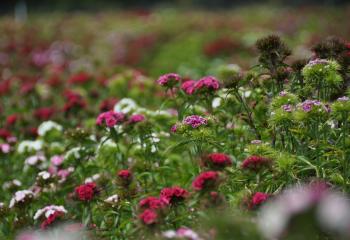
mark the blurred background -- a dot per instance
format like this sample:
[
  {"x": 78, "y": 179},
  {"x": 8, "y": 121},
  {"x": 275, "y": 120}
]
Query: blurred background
[{"x": 191, "y": 37}]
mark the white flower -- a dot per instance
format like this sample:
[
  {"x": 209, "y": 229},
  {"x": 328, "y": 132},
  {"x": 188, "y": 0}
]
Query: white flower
[
  {"x": 112, "y": 199},
  {"x": 28, "y": 145},
  {"x": 75, "y": 152},
  {"x": 21, "y": 196},
  {"x": 44, "y": 175},
  {"x": 93, "y": 178},
  {"x": 48, "y": 126},
  {"x": 48, "y": 210},
  {"x": 125, "y": 105},
  {"x": 216, "y": 102}
]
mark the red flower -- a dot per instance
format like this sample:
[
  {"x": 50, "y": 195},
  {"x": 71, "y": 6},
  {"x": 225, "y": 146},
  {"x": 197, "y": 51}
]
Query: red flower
[
  {"x": 44, "y": 113},
  {"x": 255, "y": 162},
  {"x": 125, "y": 174},
  {"x": 173, "y": 195},
  {"x": 108, "y": 104},
  {"x": 86, "y": 191},
  {"x": 151, "y": 203},
  {"x": 4, "y": 133},
  {"x": 52, "y": 218},
  {"x": 169, "y": 80},
  {"x": 11, "y": 119},
  {"x": 148, "y": 217},
  {"x": 219, "y": 160},
  {"x": 79, "y": 78},
  {"x": 258, "y": 198},
  {"x": 5, "y": 87},
  {"x": 205, "y": 180}
]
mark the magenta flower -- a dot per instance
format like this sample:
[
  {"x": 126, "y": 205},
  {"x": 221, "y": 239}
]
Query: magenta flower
[
  {"x": 208, "y": 83},
  {"x": 169, "y": 80},
  {"x": 188, "y": 87},
  {"x": 136, "y": 118},
  {"x": 110, "y": 118},
  {"x": 195, "y": 121}
]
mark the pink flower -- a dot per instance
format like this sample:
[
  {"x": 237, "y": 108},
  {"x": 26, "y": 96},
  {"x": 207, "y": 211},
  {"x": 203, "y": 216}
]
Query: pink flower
[
  {"x": 205, "y": 180},
  {"x": 207, "y": 83},
  {"x": 136, "y": 118},
  {"x": 148, "y": 217},
  {"x": 5, "y": 148},
  {"x": 188, "y": 87},
  {"x": 57, "y": 160},
  {"x": 258, "y": 198},
  {"x": 195, "y": 121},
  {"x": 173, "y": 128},
  {"x": 110, "y": 118},
  {"x": 169, "y": 80},
  {"x": 173, "y": 195}
]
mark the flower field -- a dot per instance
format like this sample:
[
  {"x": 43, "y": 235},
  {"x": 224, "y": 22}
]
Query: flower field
[{"x": 172, "y": 124}]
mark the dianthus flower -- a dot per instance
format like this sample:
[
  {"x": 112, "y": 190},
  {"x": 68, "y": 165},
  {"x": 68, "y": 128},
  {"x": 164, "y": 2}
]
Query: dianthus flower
[
  {"x": 219, "y": 159},
  {"x": 169, "y": 80},
  {"x": 44, "y": 113},
  {"x": 110, "y": 118},
  {"x": 173, "y": 195},
  {"x": 188, "y": 87},
  {"x": 148, "y": 217},
  {"x": 125, "y": 174},
  {"x": 86, "y": 191},
  {"x": 151, "y": 203},
  {"x": 257, "y": 199},
  {"x": 255, "y": 162},
  {"x": 51, "y": 219},
  {"x": 205, "y": 180},
  {"x": 207, "y": 83},
  {"x": 136, "y": 118},
  {"x": 195, "y": 121}
]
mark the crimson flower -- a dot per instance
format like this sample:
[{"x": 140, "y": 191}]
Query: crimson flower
[
  {"x": 205, "y": 180},
  {"x": 86, "y": 191},
  {"x": 173, "y": 195}
]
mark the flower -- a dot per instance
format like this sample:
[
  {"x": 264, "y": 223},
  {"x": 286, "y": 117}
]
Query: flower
[
  {"x": 257, "y": 199},
  {"x": 188, "y": 86},
  {"x": 11, "y": 119},
  {"x": 151, "y": 203},
  {"x": 287, "y": 107},
  {"x": 182, "y": 233},
  {"x": 48, "y": 126},
  {"x": 48, "y": 210},
  {"x": 148, "y": 217},
  {"x": 218, "y": 159},
  {"x": 35, "y": 159},
  {"x": 173, "y": 128},
  {"x": 169, "y": 80},
  {"x": 51, "y": 219},
  {"x": 79, "y": 78},
  {"x": 108, "y": 104},
  {"x": 5, "y": 148},
  {"x": 207, "y": 83},
  {"x": 112, "y": 200},
  {"x": 44, "y": 113},
  {"x": 21, "y": 197},
  {"x": 28, "y": 145},
  {"x": 255, "y": 162},
  {"x": 57, "y": 160},
  {"x": 125, "y": 174},
  {"x": 136, "y": 118},
  {"x": 86, "y": 191},
  {"x": 110, "y": 118},
  {"x": 195, "y": 121},
  {"x": 173, "y": 195},
  {"x": 205, "y": 180},
  {"x": 343, "y": 99}
]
